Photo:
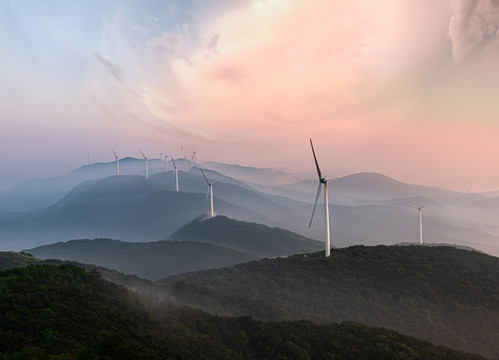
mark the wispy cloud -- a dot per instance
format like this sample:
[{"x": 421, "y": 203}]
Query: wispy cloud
[{"x": 114, "y": 70}]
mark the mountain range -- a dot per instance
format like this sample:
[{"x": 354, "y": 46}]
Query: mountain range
[{"x": 365, "y": 208}]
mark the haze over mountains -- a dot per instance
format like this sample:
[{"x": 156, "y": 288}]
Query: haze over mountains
[
  {"x": 366, "y": 208},
  {"x": 258, "y": 257}
]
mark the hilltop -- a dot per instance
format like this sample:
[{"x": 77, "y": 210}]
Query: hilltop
[
  {"x": 150, "y": 260},
  {"x": 442, "y": 294},
  {"x": 257, "y": 239}
]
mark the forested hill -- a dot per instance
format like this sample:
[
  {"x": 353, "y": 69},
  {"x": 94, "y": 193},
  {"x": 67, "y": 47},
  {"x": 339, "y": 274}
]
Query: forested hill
[
  {"x": 252, "y": 238},
  {"x": 150, "y": 260},
  {"x": 442, "y": 294},
  {"x": 62, "y": 312}
]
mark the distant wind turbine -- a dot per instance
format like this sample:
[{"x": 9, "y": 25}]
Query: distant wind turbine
[
  {"x": 176, "y": 172},
  {"x": 322, "y": 181},
  {"x": 166, "y": 160},
  {"x": 117, "y": 162},
  {"x": 210, "y": 189},
  {"x": 147, "y": 169},
  {"x": 420, "y": 208}
]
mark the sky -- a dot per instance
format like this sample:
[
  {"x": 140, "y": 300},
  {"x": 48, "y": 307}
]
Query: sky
[{"x": 407, "y": 88}]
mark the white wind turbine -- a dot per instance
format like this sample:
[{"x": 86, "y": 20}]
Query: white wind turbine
[
  {"x": 176, "y": 172},
  {"x": 420, "y": 208},
  {"x": 166, "y": 160},
  {"x": 147, "y": 169},
  {"x": 322, "y": 181},
  {"x": 117, "y": 162},
  {"x": 210, "y": 189}
]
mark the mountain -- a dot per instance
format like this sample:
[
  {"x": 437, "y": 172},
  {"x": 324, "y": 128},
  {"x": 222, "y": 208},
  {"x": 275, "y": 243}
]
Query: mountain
[
  {"x": 39, "y": 193},
  {"x": 259, "y": 240},
  {"x": 63, "y": 312},
  {"x": 127, "y": 207},
  {"x": 263, "y": 176},
  {"x": 149, "y": 260},
  {"x": 442, "y": 294}
]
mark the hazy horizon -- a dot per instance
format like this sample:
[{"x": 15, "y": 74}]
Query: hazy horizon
[{"x": 407, "y": 89}]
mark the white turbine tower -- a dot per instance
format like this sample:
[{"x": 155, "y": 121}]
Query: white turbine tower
[
  {"x": 420, "y": 208},
  {"x": 117, "y": 162},
  {"x": 147, "y": 169},
  {"x": 210, "y": 189},
  {"x": 166, "y": 160},
  {"x": 176, "y": 172},
  {"x": 322, "y": 181}
]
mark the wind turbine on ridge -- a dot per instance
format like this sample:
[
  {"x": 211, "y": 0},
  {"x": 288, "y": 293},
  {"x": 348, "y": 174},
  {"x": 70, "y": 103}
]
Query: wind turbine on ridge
[
  {"x": 420, "y": 208},
  {"x": 117, "y": 162},
  {"x": 147, "y": 169},
  {"x": 176, "y": 172},
  {"x": 210, "y": 189},
  {"x": 166, "y": 160},
  {"x": 322, "y": 181}
]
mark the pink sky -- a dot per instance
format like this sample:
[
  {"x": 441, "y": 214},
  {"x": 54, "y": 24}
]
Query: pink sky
[{"x": 406, "y": 88}]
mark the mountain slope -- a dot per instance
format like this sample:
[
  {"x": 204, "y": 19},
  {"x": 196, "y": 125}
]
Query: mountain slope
[
  {"x": 126, "y": 207},
  {"x": 62, "y": 312},
  {"x": 442, "y": 294},
  {"x": 257, "y": 239},
  {"x": 150, "y": 260}
]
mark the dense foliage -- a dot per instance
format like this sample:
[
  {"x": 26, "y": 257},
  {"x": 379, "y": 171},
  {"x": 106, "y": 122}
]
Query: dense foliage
[
  {"x": 442, "y": 294},
  {"x": 63, "y": 312}
]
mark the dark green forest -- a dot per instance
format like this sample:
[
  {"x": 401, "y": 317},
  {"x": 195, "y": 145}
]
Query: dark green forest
[
  {"x": 63, "y": 312},
  {"x": 442, "y": 294}
]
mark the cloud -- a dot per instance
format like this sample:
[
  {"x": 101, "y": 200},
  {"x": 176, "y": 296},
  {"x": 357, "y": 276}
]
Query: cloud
[
  {"x": 212, "y": 47},
  {"x": 473, "y": 26},
  {"x": 114, "y": 70}
]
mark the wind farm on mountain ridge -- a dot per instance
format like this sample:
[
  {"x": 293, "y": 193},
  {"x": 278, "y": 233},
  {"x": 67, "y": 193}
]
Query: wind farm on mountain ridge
[{"x": 167, "y": 225}]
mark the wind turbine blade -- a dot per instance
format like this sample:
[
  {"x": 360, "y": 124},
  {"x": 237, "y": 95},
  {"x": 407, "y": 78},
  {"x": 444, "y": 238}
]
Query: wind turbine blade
[
  {"x": 143, "y": 154},
  {"x": 173, "y": 161},
  {"x": 316, "y": 163},
  {"x": 204, "y": 176},
  {"x": 207, "y": 193},
  {"x": 315, "y": 204},
  {"x": 116, "y": 156}
]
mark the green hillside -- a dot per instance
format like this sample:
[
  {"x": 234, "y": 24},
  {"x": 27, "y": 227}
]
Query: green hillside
[
  {"x": 10, "y": 259},
  {"x": 442, "y": 294},
  {"x": 257, "y": 239},
  {"x": 49, "y": 312},
  {"x": 150, "y": 260}
]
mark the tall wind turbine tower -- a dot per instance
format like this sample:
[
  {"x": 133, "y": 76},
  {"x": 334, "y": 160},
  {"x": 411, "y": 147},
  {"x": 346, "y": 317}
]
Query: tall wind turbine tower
[
  {"x": 166, "y": 160},
  {"x": 176, "y": 173},
  {"x": 421, "y": 225},
  {"x": 420, "y": 208},
  {"x": 194, "y": 158},
  {"x": 322, "y": 181},
  {"x": 117, "y": 162},
  {"x": 210, "y": 188},
  {"x": 147, "y": 169}
]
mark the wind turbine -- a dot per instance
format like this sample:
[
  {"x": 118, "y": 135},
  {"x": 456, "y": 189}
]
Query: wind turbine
[
  {"x": 166, "y": 160},
  {"x": 210, "y": 188},
  {"x": 420, "y": 208},
  {"x": 322, "y": 181},
  {"x": 147, "y": 169},
  {"x": 117, "y": 162},
  {"x": 176, "y": 172}
]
